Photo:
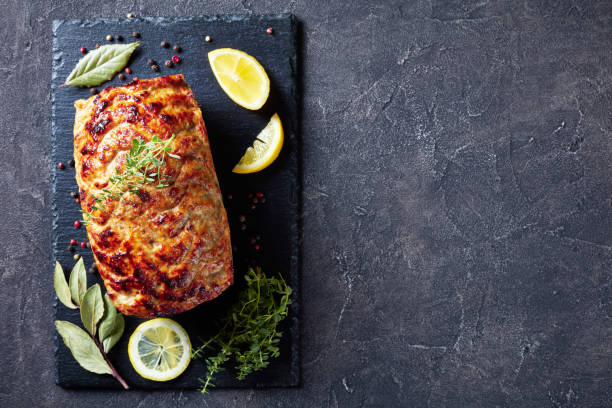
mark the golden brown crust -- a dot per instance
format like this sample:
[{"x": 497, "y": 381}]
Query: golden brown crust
[{"x": 163, "y": 251}]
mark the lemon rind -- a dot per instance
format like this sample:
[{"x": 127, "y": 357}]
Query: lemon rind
[
  {"x": 254, "y": 106},
  {"x": 146, "y": 373}
]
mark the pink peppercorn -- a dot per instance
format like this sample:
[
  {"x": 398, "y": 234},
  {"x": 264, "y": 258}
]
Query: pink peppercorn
[
  {"x": 176, "y": 59},
  {"x": 73, "y": 242},
  {"x": 83, "y": 50},
  {"x": 259, "y": 194},
  {"x": 77, "y": 224},
  {"x": 60, "y": 166},
  {"x": 128, "y": 70},
  {"x": 270, "y": 30},
  {"x": 256, "y": 246},
  {"x": 83, "y": 244}
]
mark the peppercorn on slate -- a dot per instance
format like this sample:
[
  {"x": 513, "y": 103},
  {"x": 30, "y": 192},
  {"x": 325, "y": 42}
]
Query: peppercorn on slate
[{"x": 164, "y": 250}]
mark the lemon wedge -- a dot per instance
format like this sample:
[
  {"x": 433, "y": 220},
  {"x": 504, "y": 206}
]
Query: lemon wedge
[
  {"x": 242, "y": 78},
  {"x": 265, "y": 149},
  {"x": 159, "y": 349}
]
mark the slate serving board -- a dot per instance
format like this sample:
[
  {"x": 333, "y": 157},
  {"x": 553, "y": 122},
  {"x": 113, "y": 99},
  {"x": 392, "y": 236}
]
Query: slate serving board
[{"x": 230, "y": 130}]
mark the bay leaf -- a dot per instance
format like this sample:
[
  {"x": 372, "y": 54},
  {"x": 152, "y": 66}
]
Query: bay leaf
[
  {"x": 82, "y": 347},
  {"x": 115, "y": 335},
  {"x": 62, "y": 290},
  {"x": 78, "y": 282},
  {"x": 101, "y": 64},
  {"x": 111, "y": 325},
  {"x": 92, "y": 308}
]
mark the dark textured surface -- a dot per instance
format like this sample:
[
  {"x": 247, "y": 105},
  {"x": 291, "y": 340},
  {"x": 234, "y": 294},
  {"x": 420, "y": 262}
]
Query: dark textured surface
[
  {"x": 230, "y": 130},
  {"x": 457, "y": 200}
]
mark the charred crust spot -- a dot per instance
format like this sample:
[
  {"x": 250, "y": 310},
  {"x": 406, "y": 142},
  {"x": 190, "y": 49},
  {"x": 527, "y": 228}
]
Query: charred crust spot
[
  {"x": 172, "y": 255},
  {"x": 184, "y": 143},
  {"x": 126, "y": 97},
  {"x": 154, "y": 107},
  {"x": 86, "y": 167},
  {"x": 123, "y": 284},
  {"x": 132, "y": 114},
  {"x": 150, "y": 264},
  {"x": 176, "y": 282},
  {"x": 106, "y": 239},
  {"x": 160, "y": 219},
  {"x": 166, "y": 118},
  {"x": 144, "y": 196},
  {"x": 143, "y": 283},
  {"x": 97, "y": 128},
  {"x": 100, "y": 106},
  {"x": 87, "y": 149}
]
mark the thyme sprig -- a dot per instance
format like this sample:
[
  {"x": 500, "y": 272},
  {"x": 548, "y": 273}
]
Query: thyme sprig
[
  {"x": 143, "y": 165},
  {"x": 249, "y": 331}
]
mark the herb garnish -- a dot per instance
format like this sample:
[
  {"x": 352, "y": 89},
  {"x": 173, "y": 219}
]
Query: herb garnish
[
  {"x": 143, "y": 165},
  {"x": 249, "y": 331},
  {"x": 101, "y": 64},
  {"x": 98, "y": 314}
]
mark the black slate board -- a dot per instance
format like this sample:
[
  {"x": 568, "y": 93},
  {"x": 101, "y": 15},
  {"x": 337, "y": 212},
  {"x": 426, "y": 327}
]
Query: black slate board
[{"x": 230, "y": 129}]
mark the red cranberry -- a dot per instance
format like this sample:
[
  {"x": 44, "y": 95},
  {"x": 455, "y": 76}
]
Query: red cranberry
[
  {"x": 77, "y": 224},
  {"x": 83, "y": 244},
  {"x": 256, "y": 246},
  {"x": 73, "y": 242},
  {"x": 270, "y": 30},
  {"x": 60, "y": 166},
  {"x": 259, "y": 194},
  {"x": 128, "y": 70},
  {"x": 83, "y": 50},
  {"x": 176, "y": 59}
]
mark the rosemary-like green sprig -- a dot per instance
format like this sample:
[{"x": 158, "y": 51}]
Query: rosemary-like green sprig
[
  {"x": 249, "y": 331},
  {"x": 143, "y": 165}
]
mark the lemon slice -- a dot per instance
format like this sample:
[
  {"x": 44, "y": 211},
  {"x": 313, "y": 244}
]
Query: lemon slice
[
  {"x": 159, "y": 349},
  {"x": 242, "y": 78},
  {"x": 265, "y": 149}
]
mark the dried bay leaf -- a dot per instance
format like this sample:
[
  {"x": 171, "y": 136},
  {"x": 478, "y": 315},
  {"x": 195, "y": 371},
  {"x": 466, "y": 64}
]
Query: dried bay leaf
[
  {"x": 82, "y": 347},
  {"x": 78, "y": 282},
  {"x": 92, "y": 308},
  {"x": 62, "y": 290},
  {"x": 101, "y": 64},
  {"x": 111, "y": 326}
]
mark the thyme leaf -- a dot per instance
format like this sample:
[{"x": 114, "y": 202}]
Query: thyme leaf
[
  {"x": 143, "y": 166},
  {"x": 249, "y": 331}
]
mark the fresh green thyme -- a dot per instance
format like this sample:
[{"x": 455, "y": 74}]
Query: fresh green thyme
[
  {"x": 143, "y": 165},
  {"x": 249, "y": 331}
]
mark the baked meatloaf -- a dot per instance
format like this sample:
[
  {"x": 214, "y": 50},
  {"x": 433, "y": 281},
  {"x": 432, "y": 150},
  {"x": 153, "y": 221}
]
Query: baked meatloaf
[{"x": 160, "y": 251}]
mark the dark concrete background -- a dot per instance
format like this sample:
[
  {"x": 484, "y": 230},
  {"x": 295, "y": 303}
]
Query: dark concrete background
[{"x": 457, "y": 201}]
